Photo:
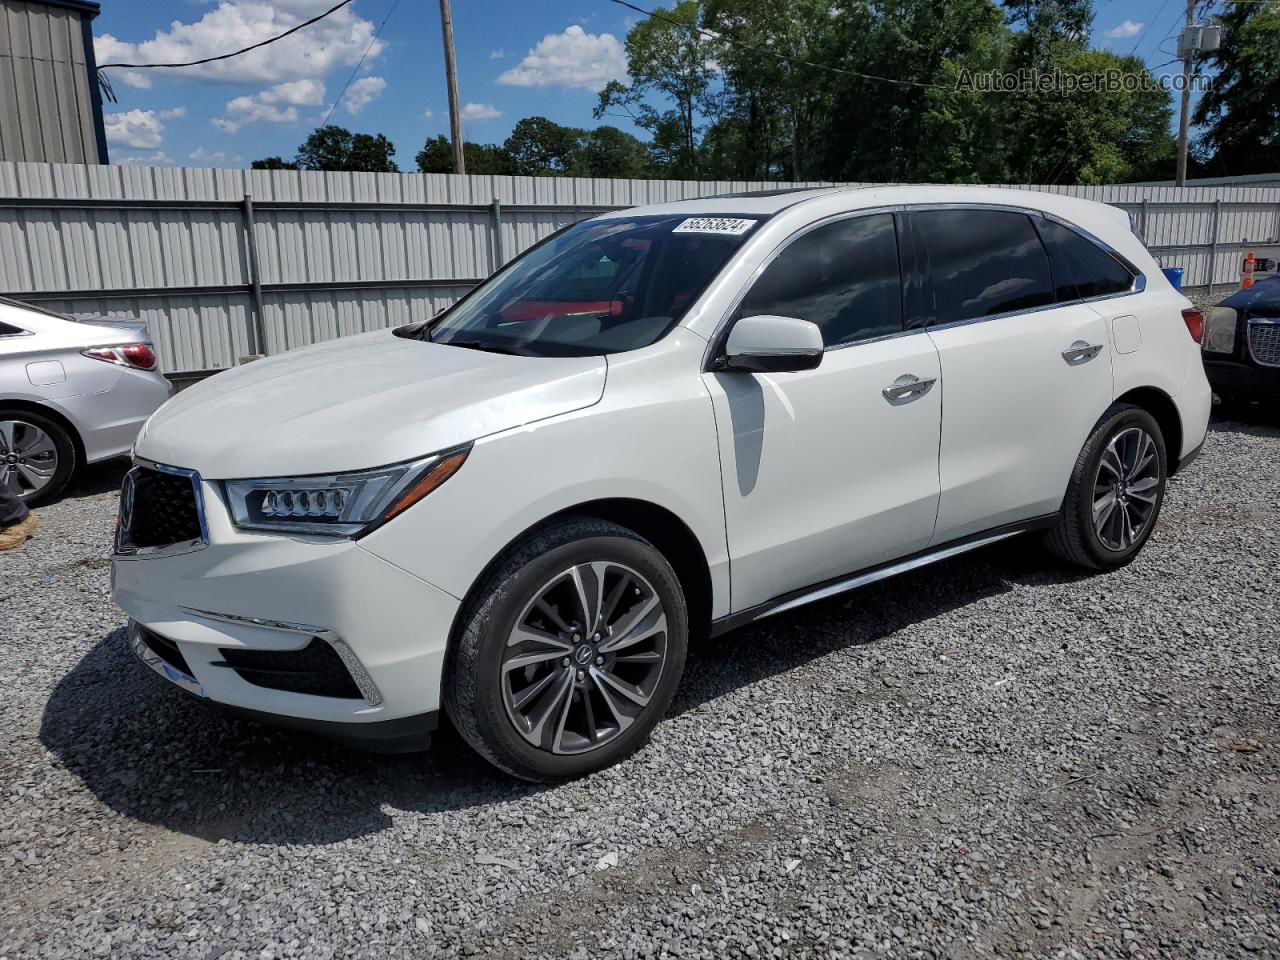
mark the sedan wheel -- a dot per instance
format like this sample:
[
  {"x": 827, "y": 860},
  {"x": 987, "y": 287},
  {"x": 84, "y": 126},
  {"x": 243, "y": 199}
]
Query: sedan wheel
[{"x": 29, "y": 458}]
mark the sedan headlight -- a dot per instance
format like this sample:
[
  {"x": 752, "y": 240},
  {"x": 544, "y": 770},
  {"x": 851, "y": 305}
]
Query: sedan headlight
[
  {"x": 341, "y": 504},
  {"x": 1220, "y": 330}
]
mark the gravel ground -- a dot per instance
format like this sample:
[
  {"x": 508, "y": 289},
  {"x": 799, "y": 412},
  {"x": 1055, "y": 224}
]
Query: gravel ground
[{"x": 994, "y": 756}]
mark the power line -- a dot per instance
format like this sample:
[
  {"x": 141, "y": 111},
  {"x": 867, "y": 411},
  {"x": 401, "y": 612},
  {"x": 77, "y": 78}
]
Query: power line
[
  {"x": 228, "y": 56},
  {"x": 374, "y": 39},
  {"x": 1142, "y": 32},
  {"x": 780, "y": 56}
]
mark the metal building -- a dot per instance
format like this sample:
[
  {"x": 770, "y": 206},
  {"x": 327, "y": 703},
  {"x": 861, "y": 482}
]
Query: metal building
[{"x": 50, "y": 104}]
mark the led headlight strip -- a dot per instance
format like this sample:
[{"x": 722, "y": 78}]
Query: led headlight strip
[{"x": 339, "y": 504}]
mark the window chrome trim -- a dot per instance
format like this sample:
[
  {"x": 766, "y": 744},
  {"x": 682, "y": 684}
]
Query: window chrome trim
[
  {"x": 716, "y": 341},
  {"x": 122, "y": 551},
  {"x": 364, "y": 683}
]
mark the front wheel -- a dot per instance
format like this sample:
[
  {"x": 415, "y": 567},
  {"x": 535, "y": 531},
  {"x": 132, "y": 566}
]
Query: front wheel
[
  {"x": 37, "y": 456},
  {"x": 1116, "y": 490},
  {"x": 570, "y": 652}
]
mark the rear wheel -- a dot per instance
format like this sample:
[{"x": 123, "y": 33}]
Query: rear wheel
[
  {"x": 570, "y": 653},
  {"x": 1115, "y": 493},
  {"x": 37, "y": 456}
]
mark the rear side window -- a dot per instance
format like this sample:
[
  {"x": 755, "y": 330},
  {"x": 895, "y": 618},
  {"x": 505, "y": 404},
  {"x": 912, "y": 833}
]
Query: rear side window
[
  {"x": 983, "y": 262},
  {"x": 7, "y": 331},
  {"x": 1081, "y": 268},
  {"x": 843, "y": 276}
]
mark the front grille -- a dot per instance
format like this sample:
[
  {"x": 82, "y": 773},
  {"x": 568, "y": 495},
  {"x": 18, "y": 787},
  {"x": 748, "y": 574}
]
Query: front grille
[
  {"x": 1264, "y": 342},
  {"x": 316, "y": 669},
  {"x": 158, "y": 509},
  {"x": 165, "y": 649}
]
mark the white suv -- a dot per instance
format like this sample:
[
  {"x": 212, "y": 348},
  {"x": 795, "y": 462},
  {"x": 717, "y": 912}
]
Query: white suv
[{"x": 654, "y": 424}]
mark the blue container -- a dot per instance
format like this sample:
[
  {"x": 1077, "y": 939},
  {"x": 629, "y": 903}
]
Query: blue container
[{"x": 1174, "y": 275}]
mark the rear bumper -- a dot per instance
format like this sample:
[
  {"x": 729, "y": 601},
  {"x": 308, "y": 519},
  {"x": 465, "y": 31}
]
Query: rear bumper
[
  {"x": 1243, "y": 381},
  {"x": 109, "y": 422}
]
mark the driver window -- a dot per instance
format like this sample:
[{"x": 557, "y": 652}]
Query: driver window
[{"x": 843, "y": 276}]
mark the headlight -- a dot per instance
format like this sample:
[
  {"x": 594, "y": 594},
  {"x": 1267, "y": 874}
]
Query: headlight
[
  {"x": 1220, "y": 330},
  {"x": 342, "y": 504}
]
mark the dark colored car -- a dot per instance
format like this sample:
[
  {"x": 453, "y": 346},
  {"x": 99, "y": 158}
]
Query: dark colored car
[{"x": 1242, "y": 344}]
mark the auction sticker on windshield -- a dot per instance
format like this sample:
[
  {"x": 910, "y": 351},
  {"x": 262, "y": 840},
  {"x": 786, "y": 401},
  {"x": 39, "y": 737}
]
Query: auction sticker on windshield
[{"x": 732, "y": 226}]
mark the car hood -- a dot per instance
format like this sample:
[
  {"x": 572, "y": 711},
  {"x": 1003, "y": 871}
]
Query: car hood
[
  {"x": 359, "y": 402},
  {"x": 1262, "y": 299}
]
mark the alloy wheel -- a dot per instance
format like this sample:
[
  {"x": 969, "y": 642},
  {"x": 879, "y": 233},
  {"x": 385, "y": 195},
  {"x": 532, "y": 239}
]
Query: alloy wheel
[
  {"x": 1126, "y": 488},
  {"x": 28, "y": 458},
  {"x": 584, "y": 658}
]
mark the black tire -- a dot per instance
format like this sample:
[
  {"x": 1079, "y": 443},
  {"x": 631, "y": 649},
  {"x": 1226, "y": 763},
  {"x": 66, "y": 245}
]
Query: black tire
[
  {"x": 65, "y": 447},
  {"x": 1075, "y": 537},
  {"x": 474, "y": 692}
]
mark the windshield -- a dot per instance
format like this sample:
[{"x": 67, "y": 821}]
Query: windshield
[{"x": 601, "y": 286}]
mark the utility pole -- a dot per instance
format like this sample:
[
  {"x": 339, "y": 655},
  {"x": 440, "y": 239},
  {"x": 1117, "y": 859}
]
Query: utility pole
[
  {"x": 1184, "y": 117},
  {"x": 451, "y": 71}
]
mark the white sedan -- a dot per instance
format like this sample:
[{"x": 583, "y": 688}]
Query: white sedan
[{"x": 71, "y": 392}]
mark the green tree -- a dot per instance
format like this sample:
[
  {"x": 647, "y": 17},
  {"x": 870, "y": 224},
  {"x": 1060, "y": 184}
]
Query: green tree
[
  {"x": 336, "y": 148},
  {"x": 1241, "y": 113},
  {"x": 273, "y": 163},
  {"x": 540, "y": 146},
  {"x": 436, "y": 156},
  {"x": 667, "y": 57},
  {"x": 609, "y": 152}
]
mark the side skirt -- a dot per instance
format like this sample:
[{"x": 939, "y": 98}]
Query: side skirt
[{"x": 838, "y": 585}]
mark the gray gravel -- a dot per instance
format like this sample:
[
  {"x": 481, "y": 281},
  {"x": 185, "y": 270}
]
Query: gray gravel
[{"x": 992, "y": 757}]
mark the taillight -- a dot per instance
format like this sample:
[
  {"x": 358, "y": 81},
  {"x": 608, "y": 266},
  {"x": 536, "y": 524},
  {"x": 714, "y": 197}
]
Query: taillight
[
  {"x": 140, "y": 356},
  {"x": 1194, "y": 320}
]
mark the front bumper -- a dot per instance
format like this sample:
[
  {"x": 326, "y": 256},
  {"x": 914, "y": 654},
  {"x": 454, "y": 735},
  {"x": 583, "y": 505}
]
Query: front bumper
[
  {"x": 264, "y": 593},
  {"x": 1243, "y": 381}
]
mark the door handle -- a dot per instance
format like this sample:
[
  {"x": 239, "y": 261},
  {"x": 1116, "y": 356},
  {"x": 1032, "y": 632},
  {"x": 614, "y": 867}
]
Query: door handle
[
  {"x": 907, "y": 387},
  {"x": 1081, "y": 352}
]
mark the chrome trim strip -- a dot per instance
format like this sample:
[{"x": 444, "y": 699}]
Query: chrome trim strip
[
  {"x": 364, "y": 682},
  {"x": 120, "y": 552},
  {"x": 153, "y": 660},
  {"x": 884, "y": 573}
]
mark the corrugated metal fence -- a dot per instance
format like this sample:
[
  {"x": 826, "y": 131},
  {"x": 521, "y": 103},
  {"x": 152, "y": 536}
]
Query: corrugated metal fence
[{"x": 224, "y": 263}]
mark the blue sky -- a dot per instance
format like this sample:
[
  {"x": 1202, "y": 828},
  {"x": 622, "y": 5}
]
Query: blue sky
[{"x": 515, "y": 59}]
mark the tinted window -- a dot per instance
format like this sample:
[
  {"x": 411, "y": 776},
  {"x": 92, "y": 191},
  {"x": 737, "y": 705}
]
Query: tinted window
[
  {"x": 601, "y": 286},
  {"x": 6, "y": 330},
  {"x": 843, "y": 277},
  {"x": 983, "y": 262},
  {"x": 1081, "y": 265}
]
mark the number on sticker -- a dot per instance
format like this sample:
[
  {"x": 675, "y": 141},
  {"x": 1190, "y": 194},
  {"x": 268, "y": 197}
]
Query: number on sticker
[{"x": 733, "y": 226}]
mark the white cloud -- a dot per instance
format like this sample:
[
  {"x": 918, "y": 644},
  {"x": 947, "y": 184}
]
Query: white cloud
[
  {"x": 1129, "y": 28},
  {"x": 340, "y": 38},
  {"x": 300, "y": 93},
  {"x": 497, "y": 54},
  {"x": 212, "y": 157},
  {"x": 140, "y": 129},
  {"x": 360, "y": 93},
  {"x": 157, "y": 159},
  {"x": 173, "y": 114},
  {"x": 428, "y": 113},
  {"x": 276, "y": 104},
  {"x": 573, "y": 58},
  {"x": 479, "y": 111}
]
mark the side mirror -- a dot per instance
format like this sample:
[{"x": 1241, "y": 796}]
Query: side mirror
[{"x": 766, "y": 344}]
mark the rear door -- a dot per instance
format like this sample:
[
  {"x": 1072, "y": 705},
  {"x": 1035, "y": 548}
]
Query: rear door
[
  {"x": 830, "y": 470},
  {"x": 1026, "y": 366}
]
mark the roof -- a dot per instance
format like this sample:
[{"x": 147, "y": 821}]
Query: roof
[{"x": 85, "y": 7}]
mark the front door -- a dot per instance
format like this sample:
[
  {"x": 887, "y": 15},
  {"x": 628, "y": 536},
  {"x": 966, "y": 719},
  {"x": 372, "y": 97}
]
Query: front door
[{"x": 834, "y": 469}]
